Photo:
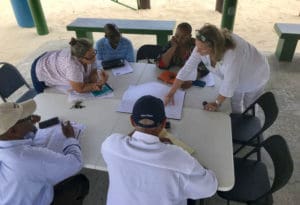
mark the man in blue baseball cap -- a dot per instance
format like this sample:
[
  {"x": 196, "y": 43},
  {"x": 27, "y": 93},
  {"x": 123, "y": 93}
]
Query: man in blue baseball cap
[{"x": 143, "y": 169}]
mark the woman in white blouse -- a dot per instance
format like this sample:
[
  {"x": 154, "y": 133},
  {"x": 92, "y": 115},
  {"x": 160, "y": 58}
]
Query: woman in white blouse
[
  {"x": 243, "y": 69},
  {"x": 73, "y": 67}
]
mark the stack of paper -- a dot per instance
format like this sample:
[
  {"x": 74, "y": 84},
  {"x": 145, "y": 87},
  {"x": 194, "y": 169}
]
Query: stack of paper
[
  {"x": 53, "y": 137},
  {"x": 122, "y": 70},
  {"x": 133, "y": 93}
]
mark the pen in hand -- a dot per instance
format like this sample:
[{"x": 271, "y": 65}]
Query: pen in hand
[{"x": 78, "y": 134}]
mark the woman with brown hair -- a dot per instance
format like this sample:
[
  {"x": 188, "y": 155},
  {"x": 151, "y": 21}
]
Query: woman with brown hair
[
  {"x": 243, "y": 69},
  {"x": 74, "y": 67}
]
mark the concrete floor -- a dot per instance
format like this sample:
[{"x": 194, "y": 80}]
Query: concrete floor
[{"x": 284, "y": 83}]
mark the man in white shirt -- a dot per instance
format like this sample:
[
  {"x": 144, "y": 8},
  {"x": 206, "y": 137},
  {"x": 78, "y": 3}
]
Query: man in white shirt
[
  {"x": 31, "y": 175},
  {"x": 145, "y": 170}
]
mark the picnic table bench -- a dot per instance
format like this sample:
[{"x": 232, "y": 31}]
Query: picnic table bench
[
  {"x": 289, "y": 34},
  {"x": 162, "y": 29}
]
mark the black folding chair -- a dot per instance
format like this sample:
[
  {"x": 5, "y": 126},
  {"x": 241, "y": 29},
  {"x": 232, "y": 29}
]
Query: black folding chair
[
  {"x": 149, "y": 53},
  {"x": 252, "y": 184},
  {"x": 11, "y": 80},
  {"x": 247, "y": 128}
]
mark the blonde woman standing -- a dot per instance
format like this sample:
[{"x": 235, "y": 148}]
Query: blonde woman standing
[{"x": 243, "y": 69}]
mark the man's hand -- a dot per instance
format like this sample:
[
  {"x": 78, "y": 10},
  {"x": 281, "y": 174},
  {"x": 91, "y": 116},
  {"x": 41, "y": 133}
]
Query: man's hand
[
  {"x": 67, "y": 129},
  {"x": 35, "y": 118}
]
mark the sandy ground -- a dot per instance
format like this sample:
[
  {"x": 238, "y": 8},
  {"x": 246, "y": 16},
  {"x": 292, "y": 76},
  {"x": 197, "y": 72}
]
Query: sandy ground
[{"x": 254, "y": 21}]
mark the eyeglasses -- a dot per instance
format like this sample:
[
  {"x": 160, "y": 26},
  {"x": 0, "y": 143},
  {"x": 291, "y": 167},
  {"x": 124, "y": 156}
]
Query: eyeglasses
[{"x": 91, "y": 58}]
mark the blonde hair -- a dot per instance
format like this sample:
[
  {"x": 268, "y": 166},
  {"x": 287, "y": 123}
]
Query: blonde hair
[
  {"x": 80, "y": 46},
  {"x": 219, "y": 40}
]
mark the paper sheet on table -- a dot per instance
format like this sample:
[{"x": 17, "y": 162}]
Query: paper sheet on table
[
  {"x": 133, "y": 93},
  {"x": 175, "y": 141},
  {"x": 208, "y": 79},
  {"x": 74, "y": 96},
  {"x": 122, "y": 70},
  {"x": 53, "y": 137},
  {"x": 106, "y": 92},
  {"x": 62, "y": 88}
]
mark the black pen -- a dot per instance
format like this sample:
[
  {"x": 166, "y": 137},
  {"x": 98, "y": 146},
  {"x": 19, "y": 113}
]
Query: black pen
[{"x": 78, "y": 134}]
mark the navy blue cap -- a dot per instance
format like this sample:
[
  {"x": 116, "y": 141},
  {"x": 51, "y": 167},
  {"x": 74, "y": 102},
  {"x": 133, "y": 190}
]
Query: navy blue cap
[{"x": 148, "y": 107}]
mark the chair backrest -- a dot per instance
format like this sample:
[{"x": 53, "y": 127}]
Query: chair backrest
[
  {"x": 269, "y": 106},
  {"x": 148, "y": 52},
  {"x": 10, "y": 80},
  {"x": 278, "y": 150}
]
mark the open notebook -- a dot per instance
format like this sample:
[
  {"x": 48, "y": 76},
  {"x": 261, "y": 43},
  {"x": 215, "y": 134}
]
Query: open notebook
[{"x": 159, "y": 90}]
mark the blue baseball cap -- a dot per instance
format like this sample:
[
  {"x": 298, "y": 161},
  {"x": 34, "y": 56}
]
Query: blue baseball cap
[{"x": 151, "y": 108}]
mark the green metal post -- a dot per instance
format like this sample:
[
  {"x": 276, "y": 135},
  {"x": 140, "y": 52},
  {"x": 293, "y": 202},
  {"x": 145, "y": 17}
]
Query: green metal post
[
  {"x": 38, "y": 16},
  {"x": 229, "y": 10}
]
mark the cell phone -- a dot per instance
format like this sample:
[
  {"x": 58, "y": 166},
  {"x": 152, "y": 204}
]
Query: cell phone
[{"x": 48, "y": 123}]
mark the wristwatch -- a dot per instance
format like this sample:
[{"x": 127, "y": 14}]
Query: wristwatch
[{"x": 218, "y": 103}]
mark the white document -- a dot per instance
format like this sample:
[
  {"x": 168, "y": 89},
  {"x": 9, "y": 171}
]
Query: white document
[
  {"x": 208, "y": 79},
  {"x": 53, "y": 137},
  {"x": 122, "y": 70},
  {"x": 59, "y": 89},
  {"x": 75, "y": 96},
  {"x": 133, "y": 93}
]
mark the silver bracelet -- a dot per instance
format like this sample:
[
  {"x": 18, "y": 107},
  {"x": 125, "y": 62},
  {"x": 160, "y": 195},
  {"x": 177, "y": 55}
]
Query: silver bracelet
[{"x": 218, "y": 103}]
